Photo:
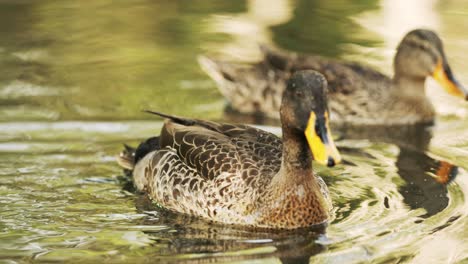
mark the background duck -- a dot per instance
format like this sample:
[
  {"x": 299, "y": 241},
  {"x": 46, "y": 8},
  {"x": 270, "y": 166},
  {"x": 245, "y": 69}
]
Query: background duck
[
  {"x": 237, "y": 174},
  {"x": 358, "y": 94}
]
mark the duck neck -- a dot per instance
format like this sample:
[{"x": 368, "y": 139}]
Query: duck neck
[
  {"x": 408, "y": 96},
  {"x": 295, "y": 197},
  {"x": 296, "y": 166},
  {"x": 409, "y": 86}
]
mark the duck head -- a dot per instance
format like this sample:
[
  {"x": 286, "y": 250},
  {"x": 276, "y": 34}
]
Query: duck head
[
  {"x": 304, "y": 110},
  {"x": 421, "y": 54}
]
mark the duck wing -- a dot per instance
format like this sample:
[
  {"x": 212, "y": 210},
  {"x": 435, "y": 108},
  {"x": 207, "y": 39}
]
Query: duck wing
[
  {"x": 342, "y": 77},
  {"x": 212, "y": 148},
  {"x": 355, "y": 91},
  {"x": 204, "y": 166}
]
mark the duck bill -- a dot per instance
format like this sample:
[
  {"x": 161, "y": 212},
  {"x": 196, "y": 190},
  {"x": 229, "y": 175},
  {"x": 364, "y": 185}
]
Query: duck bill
[
  {"x": 446, "y": 172},
  {"x": 320, "y": 141},
  {"x": 444, "y": 76}
]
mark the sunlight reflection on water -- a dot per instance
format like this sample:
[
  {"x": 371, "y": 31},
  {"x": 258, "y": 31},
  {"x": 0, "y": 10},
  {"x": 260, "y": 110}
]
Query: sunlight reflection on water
[{"x": 69, "y": 101}]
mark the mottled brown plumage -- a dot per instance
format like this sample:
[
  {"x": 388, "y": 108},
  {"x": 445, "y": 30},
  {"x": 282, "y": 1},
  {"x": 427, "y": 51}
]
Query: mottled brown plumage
[
  {"x": 357, "y": 94},
  {"x": 237, "y": 174}
]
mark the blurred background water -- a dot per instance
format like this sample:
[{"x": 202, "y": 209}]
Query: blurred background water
[{"x": 76, "y": 75}]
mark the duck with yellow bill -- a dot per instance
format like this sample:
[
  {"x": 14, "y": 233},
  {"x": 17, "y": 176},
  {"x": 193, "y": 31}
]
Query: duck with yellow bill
[{"x": 238, "y": 174}]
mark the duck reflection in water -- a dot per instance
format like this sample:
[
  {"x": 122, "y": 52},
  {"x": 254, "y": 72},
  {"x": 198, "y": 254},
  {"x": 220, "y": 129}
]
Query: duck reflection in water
[
  {"x": 178, "y": 234},
  {"x": 426, "y": 178},
  {"x": 426, "y": 181}
]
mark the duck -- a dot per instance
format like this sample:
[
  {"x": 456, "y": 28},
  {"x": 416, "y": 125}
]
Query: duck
[
  {"x": 358, "y": 94},
  {"x": 241, "y": 175}
]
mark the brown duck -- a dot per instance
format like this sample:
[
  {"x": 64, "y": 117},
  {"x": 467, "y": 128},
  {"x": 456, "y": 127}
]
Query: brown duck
[
  {"x": 358, "y": 94},
  {"x": 237, "y": 174}
]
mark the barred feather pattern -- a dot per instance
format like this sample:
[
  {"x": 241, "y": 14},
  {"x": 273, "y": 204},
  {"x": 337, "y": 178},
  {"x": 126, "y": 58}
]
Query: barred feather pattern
[{"x": 224, "y": 173}]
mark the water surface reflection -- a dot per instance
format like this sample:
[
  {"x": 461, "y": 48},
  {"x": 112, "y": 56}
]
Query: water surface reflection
[
  {"x": 75, "y": 77},
  {"x": 425, "y": 178}
]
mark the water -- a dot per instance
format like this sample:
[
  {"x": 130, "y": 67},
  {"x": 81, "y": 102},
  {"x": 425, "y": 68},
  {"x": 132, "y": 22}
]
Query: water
[{"x": 75, "y": 77}]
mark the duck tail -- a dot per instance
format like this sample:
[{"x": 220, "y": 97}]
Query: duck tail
[
  {"x": 177, "y": 119},
  {"x": 223, "y": 73}
]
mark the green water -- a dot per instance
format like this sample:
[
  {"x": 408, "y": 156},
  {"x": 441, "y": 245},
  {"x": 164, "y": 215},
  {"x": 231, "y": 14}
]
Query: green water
[{"x": 76, "y": 75}]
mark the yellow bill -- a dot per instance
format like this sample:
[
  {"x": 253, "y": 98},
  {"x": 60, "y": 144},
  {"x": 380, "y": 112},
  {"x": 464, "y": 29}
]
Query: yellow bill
[
  {"x": 320, "y": 141},
  {"x": 443, "y": 75}
]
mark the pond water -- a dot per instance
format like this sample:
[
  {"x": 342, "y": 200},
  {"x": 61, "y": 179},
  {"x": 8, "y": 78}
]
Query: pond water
[{"x": 76, "y": 75}]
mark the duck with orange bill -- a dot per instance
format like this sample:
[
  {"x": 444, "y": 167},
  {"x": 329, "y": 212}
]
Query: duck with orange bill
[{"x": 358, "y": 94}]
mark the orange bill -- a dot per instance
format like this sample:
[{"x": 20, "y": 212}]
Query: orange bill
[
  {"x": 446, "y": 172},
  {"x": 444, "y": 76}
]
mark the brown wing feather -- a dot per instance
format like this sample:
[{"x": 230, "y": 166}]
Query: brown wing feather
[
  {"x": 212, "y": 148},
  {"x": 207, "y": 169},
  {"x": 353, "y": 89},
  {"x": 342, "y": 77}
]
